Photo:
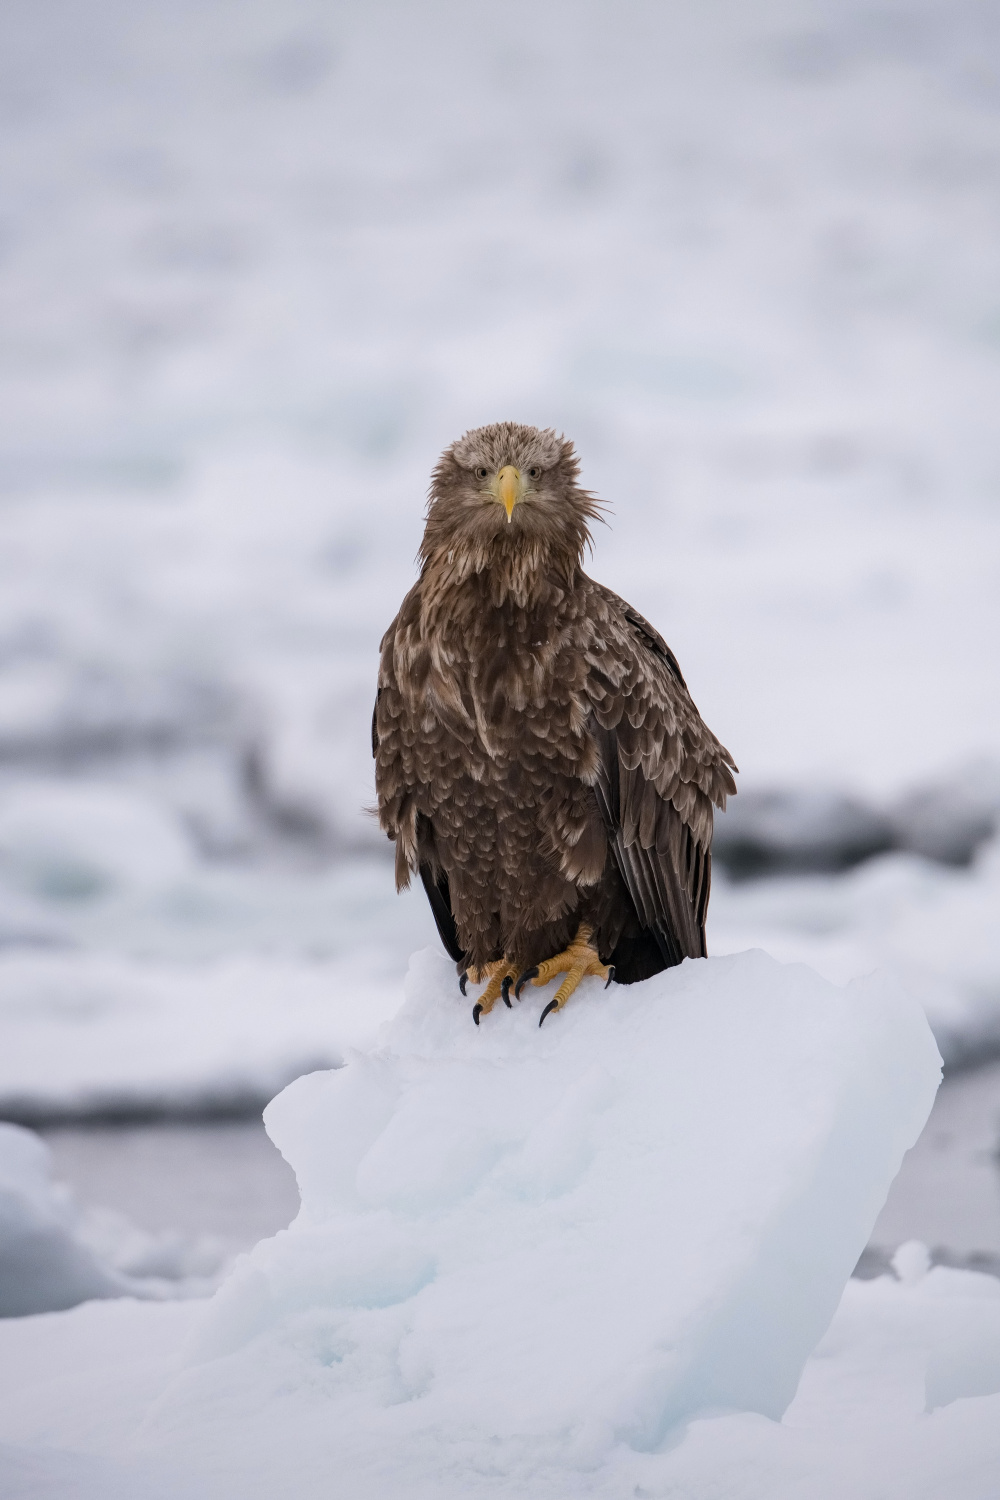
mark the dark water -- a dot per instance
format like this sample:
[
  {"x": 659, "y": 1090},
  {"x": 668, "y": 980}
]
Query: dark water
[
  {"x": 948, "y": 1192},
  {"x": 222, "y": 1178}
]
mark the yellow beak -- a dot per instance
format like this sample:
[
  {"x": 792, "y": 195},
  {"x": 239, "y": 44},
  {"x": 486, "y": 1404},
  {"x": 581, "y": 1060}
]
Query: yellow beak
[{"x": 509, "y": 488}]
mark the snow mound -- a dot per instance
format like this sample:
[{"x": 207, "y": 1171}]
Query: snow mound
[
  {"x": 901, "y": 1399},
  {"x": 537, "y": 1245},
  {"x": 53, "y": 1256}
]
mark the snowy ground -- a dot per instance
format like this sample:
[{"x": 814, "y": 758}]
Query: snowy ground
[
  {"x": 568, "y": 1258},
  {"x": 258, "y": 264},
  {"x": 573, "y": 1260},
  {"x": 898, "y": 1400}
]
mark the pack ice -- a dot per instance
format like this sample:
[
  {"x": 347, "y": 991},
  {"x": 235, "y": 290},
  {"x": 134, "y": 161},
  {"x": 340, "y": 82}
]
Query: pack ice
[{"x": 527, "y": 1247}]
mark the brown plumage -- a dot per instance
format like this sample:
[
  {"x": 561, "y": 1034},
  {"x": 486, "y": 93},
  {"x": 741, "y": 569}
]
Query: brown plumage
[{"x": 538, "y": 758}]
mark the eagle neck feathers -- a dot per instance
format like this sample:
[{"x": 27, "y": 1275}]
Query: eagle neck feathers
[{"x": 523, "y": 577}]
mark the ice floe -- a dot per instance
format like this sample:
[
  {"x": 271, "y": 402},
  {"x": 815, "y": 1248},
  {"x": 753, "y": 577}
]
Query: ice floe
[
  {"x": 582, "y": 1234},
  {"x": 605, "y": 1257}
]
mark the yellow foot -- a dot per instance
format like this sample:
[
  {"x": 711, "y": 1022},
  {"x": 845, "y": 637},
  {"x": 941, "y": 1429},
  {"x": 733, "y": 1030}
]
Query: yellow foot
[
  {"x": 580, "y": 958},
  {"x": 501, "y": 976}
]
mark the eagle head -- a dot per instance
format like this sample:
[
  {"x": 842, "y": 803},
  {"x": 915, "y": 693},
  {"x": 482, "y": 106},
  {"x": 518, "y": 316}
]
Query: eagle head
[{"x": 507, "y": 492}]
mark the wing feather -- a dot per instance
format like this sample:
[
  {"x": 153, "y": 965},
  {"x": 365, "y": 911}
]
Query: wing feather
[{"x": 660, "y": 772}]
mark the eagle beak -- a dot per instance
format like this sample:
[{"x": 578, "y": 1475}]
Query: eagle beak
[{"x": 509, "y": 488}]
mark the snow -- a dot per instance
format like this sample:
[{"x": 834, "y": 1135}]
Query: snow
[
  {"x": 577, "y": 1259},
  {"x": 900, "y": 1399},
  {"x": 759, "y": 291},
  {"x": 137, "y": 978},
  {"x": 93, "y": 1035},
  {"x": 74, "y": 1389},
  {"x": 74, "y": 840},
  {"x": 733, "y": 1097}
]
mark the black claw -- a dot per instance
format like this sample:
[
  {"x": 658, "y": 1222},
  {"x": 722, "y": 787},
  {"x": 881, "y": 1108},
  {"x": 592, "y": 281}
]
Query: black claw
[
  {"x": 505, "y": 990},
  {"x": 522, "y": 980},
  {"x": 463, "y": 980},
  {"x": 477, "y": 1011},
  {"x": 611, "y": 975},
  {"x": 552, "y": 1005}
]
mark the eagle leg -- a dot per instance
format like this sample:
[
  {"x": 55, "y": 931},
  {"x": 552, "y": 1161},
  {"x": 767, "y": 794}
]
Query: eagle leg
[
  {"x": 500, "y": 976},
  {"x": 579, "y": 959}
]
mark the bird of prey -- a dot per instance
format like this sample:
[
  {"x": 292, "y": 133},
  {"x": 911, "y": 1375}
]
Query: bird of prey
[{"x": 538, "y": 758}]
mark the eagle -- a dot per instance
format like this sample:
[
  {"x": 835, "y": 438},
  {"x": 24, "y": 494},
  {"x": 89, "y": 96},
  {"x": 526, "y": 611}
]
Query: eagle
[{"x": 539, "y": 761}]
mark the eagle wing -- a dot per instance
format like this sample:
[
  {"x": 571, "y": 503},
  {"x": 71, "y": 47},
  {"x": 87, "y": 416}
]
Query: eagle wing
[
  {"x": 394, "y": 792},
  {"x": 656, "y": 775},
  {"x": 660, "y": 773}
]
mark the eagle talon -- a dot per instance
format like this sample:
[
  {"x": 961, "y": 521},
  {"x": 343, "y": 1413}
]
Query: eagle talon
[
  {"x": 580, "y": 959},
  {"x": 523, "y": 979},
  {"x": 463, "y": 980},
  {"x": 498, "y": 976}
]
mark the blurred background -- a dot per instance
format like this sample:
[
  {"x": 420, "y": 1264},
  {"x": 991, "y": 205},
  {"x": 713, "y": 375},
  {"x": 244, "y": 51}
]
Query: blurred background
[{"x": 259, "y": 264}]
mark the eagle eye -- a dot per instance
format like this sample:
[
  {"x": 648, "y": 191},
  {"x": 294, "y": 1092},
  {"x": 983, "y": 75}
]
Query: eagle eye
[
  {"x": 482, "y": 471},
  {"x": 534, "y": 472}
]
